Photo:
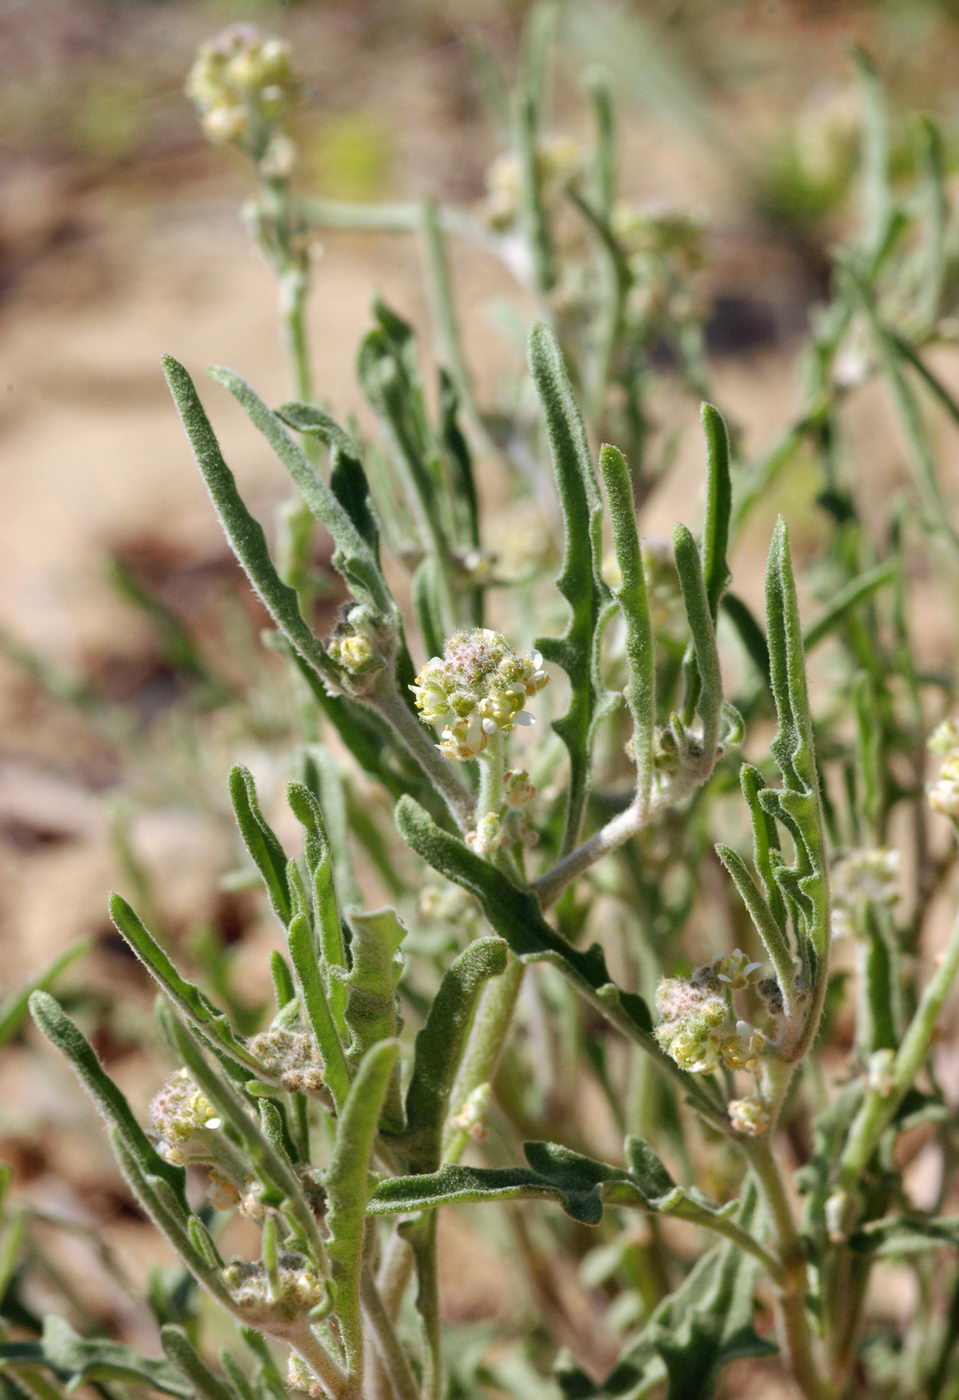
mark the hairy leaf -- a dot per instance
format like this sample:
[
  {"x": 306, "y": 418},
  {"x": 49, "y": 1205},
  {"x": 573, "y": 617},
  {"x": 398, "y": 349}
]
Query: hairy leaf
[
  {"x": 440, "y": 1045},
  {"x": 353, "y": 558},
  {"x": 245, "y": 534},
  {"x": 347, "y": 1187},
  {"x": 260, "y": 840},
  {"x": 580, "y": 579},
  {"x": 640, "y": 690},
  {"x": 76, "y": 1361}
]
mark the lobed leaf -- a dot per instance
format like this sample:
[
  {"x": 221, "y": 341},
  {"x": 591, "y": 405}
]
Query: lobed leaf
[
  {"x": 347, "y": 1186},
  {"x": 580, "y": 578},
  {"x": 440, "y": 1045},
  {"x": 640, "y": 689}
]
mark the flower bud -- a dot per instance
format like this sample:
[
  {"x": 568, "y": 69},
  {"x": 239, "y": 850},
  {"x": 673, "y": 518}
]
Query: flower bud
[
  {"x": 748, "y": 1116},
  {"x": 290, "y": 1057},
  {"x": 300, "y": 1289},
  {"x": 242, "y": 85}
]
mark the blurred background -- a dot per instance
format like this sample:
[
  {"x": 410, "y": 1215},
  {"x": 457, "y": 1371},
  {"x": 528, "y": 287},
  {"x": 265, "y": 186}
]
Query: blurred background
[{"x": 130, "y": 671}]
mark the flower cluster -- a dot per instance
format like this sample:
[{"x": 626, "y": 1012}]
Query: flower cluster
[
  {"x": 698, "y": 1029},
  {"x": 298, "y": 1290},
  {"x": 748, "y": 1116},
  {"x": 183, "y": 1119},
  {"x": 478, "y": 687},
  {"x": 862, "y": 877},
  {"x": 944, "y": 793},
  {"x": 659, "y": 230},
  {"x": 242, "y": 85},
  {"x": 290, "y": 1057},
  {"x": 557, "y": 159}
]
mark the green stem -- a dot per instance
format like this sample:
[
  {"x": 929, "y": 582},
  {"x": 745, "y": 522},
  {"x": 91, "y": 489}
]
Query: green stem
[
  {"x": 307, "y": 1345},
  {"x": 879, "y": 1108},
  {"x": 792, "y": 1318},
  {"x": 443, "y": 312},
  {"x": 387, "y": 1343},
  {"x": 412, "y": 734}
]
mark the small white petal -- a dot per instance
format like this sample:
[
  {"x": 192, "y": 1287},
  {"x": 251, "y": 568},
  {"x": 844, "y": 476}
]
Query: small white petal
[
  {"x": 213, "y": 1123},
  {"x": 723, "y": 978},
  {"x": 744, "y": 1029},
  {"x": 524, "y": 717},
  {"x": 489, "y": 726},
  {"x": 537, "y": 659},
  {"x": 750, "y": 968}
]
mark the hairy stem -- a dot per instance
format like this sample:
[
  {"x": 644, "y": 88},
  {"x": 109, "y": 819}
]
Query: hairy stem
[
  {"x": 617, "y": 830},
  {"x": 387, "y": 1343},
  {"x": 792, "y": 1318},
  {"x": 414, "y": 737}
]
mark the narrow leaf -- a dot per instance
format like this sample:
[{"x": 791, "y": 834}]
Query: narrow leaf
[
  {"x": 245, "y": 534},
  {"x": 640, "y": 689},
  {"x": 580, "y": 579}
]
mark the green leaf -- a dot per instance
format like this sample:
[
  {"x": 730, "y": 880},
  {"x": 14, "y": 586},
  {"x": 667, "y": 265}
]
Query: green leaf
[
  {"x": 857, "y": 591},
  {"x": 516, "y": 916},
  {"x": 164, "y": 1206},
  {"x": 719, "y": 505},
  {"x": 16, "y": 1008},
  {"x": 353, "y": 558},
  {"x": 440, "y": 1045},
  {"x": 371, "y": 984},
  {"x": 750, "y": 633},
  {"x": 774, "y": 939},
  {"x": 187, "y": 1360},
  {"x": 109, "y": 1099},
  {"x": 347, "y": 1186},
  {"x": 907, "y": 1234},
  {"x": 580, "y": 579},
  {"x": 208, "y": 1019},
  {"x": 582, "y": 1186},
  {"x": 317, "y": 1007},
  {"x": 640, "y": 689},
  {"x": 389, "y": 378},
  {"x": 798, "y": 804},
  {"x": 691, "y": 1335},
  {"x": 874, "y": 158},
  {"x": 514, "y": 913},
  {"x": 245, "y": 534},
  {"x": 76, "y": 1361},
  {"x": 704, "y": 690},
  {"x": 260, "y": 840},
  {"x": 579, "y": 1185},
  {"x": 326, "y": 915}
]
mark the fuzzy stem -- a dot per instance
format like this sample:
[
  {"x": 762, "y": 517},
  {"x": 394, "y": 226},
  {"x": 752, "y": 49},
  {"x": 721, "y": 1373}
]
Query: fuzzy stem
[
  {"x": 618, "y": 830},
  {"x": 308, "y": 1346},
  {"x": 387, "y": 1344},
  {"x": 878, "y": 1109},
  {"x": 389, "y": 704},
  {"x": 792, "y": 1318}
]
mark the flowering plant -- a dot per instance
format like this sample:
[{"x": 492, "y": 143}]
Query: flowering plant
[{"x": 563, "y": 895}]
